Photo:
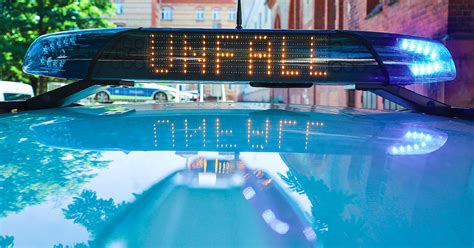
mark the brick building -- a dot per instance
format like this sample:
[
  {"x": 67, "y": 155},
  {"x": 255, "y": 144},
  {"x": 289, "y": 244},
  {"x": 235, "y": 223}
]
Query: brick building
[
  {"x": 175, "y": 13},
  {"x": 197, "y": 13},
  {"x": 450, "y": 21},
  {"x": 181, "y": 14},
  {"x": 135, "y": 13}
]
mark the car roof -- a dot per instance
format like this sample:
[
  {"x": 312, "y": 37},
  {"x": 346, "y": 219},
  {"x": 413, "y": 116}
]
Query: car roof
[{"x": 143, "y": 166}]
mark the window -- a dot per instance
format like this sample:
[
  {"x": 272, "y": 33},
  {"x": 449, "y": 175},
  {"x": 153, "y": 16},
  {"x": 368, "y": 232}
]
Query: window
[
  {"x": 388, "y": 105},
  {"x": 166, "y": 13},
  {"x": 369, "y": 100},
  {"x": 374, "y": 7},
  {"x": 200, "y": 14},
  {"x": 16, "y": 96},
  {"x": 119, "y": 7},
  {"x": 266, "y": 13},
  {"x": 232, "y": 15},
  {"x": 216, "y": 14},
  {"x": 390, "y": 2}
]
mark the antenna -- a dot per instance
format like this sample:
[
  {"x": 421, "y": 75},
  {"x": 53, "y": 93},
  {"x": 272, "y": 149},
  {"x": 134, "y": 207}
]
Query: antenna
[{"x": 239, "y": 15}]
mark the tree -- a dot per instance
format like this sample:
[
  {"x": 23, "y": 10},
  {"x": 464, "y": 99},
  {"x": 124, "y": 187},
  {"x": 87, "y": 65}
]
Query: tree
[{"x": 22, "y": 21}]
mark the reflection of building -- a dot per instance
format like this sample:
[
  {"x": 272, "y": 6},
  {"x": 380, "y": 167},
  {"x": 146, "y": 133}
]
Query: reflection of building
[
  {"x": 216, "y": 166},
  {"x": 450, "y": 21},
  {"x": 256, "y": 15}
]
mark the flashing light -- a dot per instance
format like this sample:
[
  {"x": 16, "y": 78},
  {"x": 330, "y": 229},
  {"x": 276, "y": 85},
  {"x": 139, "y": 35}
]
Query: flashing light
[
  {"x": 428, "y": 59},
  {"x": 239, "y": 56},
  {"x": 418, "y": 142}
]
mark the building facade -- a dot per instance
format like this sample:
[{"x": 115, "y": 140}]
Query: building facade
[
  {"x": 197, "y": 13},
  {"x": 175, "y": 13},
  {"x": 135, "y": 13},
  {"x": 256, "y": 15},
  {"x": 183, "y": 14},
  {"x": 449, "y": 21}
]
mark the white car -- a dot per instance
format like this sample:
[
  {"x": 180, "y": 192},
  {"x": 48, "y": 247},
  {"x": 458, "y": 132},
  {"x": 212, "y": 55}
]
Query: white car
[
  {"x": 142, "y": 92},
  {"x": 13, "y": 91}
]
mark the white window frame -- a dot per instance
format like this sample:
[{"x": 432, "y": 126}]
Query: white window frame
[
  {"x": 232, "y": 15},
  {"x": 118, "y": 7},
  {"x": 216, "y": 14},
  {"x": 200, "y": 14},
  {"x": 166, "y": 14}
]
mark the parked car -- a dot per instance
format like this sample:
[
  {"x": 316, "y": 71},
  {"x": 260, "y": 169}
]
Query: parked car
[
  {"x": 14, "y": 91},
  {"x": 142, "y": 92}
]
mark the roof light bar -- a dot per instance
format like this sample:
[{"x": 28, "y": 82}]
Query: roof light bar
[
  {"x": 66, "y": 54},
  {"x": 240, "y": 56}
]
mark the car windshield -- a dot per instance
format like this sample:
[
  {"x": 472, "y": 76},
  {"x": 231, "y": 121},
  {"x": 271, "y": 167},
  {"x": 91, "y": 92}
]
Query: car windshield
[{"x": 253, "y": 123}]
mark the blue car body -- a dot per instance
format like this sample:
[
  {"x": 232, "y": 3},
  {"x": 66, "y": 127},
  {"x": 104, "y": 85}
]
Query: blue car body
[{"x": 234, "y": 175}]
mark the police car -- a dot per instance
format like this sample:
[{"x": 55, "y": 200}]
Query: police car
[
  {"x": 14, "y": 91},
  {"x": 143, "y": 92},
  {"x": 235, "y": 174}
]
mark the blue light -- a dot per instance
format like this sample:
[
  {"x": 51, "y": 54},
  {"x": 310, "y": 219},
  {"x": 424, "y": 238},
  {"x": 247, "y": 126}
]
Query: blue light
[
  {"x": 427, "y": 51},
  {"x": 405, "y": 44},
  {"x": 418, "y": 142},
  {"x": 428, "y": 59}
]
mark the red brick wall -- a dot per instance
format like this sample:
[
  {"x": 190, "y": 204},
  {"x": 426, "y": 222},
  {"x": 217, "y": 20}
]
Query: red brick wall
[
  {"x": 460, "y": 92},
  {"x": 436, "y": 19},
  {"x": 461, "y": 16},
  {"x": 428, "y": 18}
]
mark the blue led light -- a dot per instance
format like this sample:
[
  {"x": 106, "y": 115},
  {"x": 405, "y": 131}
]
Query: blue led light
[
  {"x": 418, "y": 142},
  {"x": 428, "y": 59}
]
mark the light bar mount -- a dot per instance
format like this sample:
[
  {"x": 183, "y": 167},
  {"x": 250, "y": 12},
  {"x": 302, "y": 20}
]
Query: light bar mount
[
  {"x": 61, "y": 97},
  {"x": 414, "y": 101}
]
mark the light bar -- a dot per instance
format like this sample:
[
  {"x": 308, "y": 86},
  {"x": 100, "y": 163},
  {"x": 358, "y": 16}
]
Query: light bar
[{"x": 241, "y": 56}]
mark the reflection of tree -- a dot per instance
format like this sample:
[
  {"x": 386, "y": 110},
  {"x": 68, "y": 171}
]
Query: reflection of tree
[
  {"x": 78, "y": 245},
  {"x": 327, "y": 209},
  {"x": 90, "y": 211},
  {"x": 6, "y": 241},
  {"x": 30, "y": 171}
]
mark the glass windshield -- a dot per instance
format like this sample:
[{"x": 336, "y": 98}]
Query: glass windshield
[{"x": 15, "y": 96}]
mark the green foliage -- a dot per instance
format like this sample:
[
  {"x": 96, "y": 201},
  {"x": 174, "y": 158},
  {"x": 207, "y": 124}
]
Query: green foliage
[
  {"x": 30, "y": 171},
  {"x": 23, "y": 21},
  {"x": 6, "y": 241},
  {"x": 90, "y": 211}
]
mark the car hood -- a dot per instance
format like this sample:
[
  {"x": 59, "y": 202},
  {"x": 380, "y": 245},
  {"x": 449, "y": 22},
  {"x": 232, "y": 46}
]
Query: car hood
[{"x": 234, "y": 174}]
